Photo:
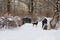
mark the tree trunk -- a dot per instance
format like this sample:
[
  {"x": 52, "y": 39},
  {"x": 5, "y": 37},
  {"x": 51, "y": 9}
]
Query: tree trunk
[
  {"x": 8, "y": 6},
  {"x": 55, "y": 18}
]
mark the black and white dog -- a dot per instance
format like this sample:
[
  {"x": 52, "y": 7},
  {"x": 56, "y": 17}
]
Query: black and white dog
[
  {"x": 35, "y": 23},
  {"x": 44, "y": 24}
]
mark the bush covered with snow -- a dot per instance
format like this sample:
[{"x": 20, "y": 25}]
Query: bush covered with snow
[{"x": 9, "y": 21}]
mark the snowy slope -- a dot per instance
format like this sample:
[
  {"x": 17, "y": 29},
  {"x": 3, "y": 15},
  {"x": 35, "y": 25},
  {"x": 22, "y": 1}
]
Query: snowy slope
[{"x": 28, "y": 32}]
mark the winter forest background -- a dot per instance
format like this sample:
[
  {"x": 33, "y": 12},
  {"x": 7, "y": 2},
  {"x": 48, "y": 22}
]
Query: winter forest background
[
  {"x": 24, "y": 7},
  {"x": 13, "y": 11}
]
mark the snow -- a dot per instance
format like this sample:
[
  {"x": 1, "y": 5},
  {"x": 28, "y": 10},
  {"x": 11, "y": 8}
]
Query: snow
[
  {"x": 58, "y": 26},
  {"x": 29, "y": 32}
]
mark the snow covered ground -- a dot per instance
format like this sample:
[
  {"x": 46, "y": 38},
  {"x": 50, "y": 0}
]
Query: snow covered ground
[{"x": 28, "y": 32}]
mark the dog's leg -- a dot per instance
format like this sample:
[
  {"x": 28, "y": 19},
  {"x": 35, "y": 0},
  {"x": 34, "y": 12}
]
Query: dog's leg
[{"x": 45, "y": 27}]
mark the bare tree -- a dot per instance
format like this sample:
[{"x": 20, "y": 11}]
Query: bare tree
[
  {"x": 8, "y": 6},
  {"x": 31, "y": 7},
  {"x": 55, "y": 18}
]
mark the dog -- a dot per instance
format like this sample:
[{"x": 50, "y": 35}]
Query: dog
[
  {"x": 35, "y": 23},
  {"x": 44, "y": 24}
]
